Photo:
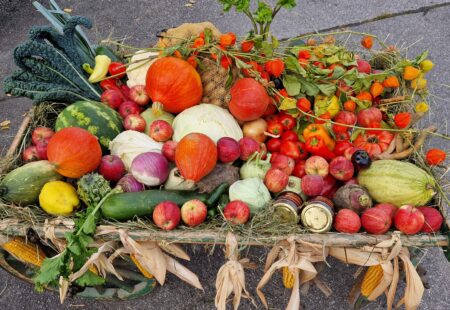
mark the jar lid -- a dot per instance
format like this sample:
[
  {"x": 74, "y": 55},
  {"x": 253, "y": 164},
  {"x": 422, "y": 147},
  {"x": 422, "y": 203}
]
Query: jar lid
[
  {"x": 285, "y": 213},
  {"x": 317, "y": 218}
]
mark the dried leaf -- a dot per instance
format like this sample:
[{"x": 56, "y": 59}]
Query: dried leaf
[
  {"x": 67, "y": 10},
  {"x": 174, "y": 249},
  {"x": 63, "y": 289},
  {"x": 182, "y": 272},
  {"x": 5, "y": 125}
]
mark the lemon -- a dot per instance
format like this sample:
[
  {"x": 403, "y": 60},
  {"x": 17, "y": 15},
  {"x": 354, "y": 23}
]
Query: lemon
[{"x": 58, "y": 198}]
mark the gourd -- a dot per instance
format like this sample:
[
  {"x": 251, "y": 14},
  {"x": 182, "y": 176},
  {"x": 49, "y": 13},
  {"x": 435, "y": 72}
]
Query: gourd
[
  {"x": 195, "y": 156},
  {"x": 174, "y": 83},
  {"x": 23, "y": 184},
  {"x": 58, "y": 198},
  {"x": 97, "y": 118},
  {"x": 249, "y": 100},
  {"x": 397, "y": 182},
  {"x": 74, "y": 152}
]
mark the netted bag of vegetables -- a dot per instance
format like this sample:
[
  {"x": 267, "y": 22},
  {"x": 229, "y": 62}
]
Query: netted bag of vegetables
[{"x": 214, "y": 77}]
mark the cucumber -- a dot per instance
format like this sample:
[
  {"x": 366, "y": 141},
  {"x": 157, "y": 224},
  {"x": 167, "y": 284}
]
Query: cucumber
[
  {"x": 125, "y": 206},
  {"x": 24, "y": 184},
  {"x": 103, "y": 50}
]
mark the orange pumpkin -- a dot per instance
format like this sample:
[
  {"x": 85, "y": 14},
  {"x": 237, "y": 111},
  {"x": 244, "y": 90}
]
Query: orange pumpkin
[
  {"x": 195, "y": 156},
  {"x": 174, "y": 83},
  {"x": 74, "y": 152}
]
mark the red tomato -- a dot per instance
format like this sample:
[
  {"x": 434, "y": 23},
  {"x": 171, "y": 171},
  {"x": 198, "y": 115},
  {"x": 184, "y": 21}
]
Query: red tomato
[
  {"x": 289, "y": 136},
  {"x": 374, "y": 144},
  {"x": 275, "y": 128},
  {"x": 271, "y": 109},
  {"x": 342, "y": 136},
  {"x": 272, "y": 118},
  {"x": 290, "y": 148},
  {"x": 304, "y": 105},
  {"x": 299, "y": 169},
  {"x": 341, "y": 146},
  {"x": 117, "y": 69},
  {"x": 273, "y": 145},
  {"x": 287, "y": 121}
]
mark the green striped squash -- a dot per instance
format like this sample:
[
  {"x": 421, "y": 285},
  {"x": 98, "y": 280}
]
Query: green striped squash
[{"x": 99, "y": 119}]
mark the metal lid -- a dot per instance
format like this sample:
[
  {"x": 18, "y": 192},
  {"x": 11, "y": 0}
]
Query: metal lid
[
  {"x": 285, "y": 213},
  {"x": 317, "y": 218}
]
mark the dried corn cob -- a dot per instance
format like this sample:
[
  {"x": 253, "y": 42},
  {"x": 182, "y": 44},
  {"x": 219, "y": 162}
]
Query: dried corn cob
[
  {"x": 139, "y": 266},
  {"x": 26, "y": 252},
  {"x": 288, "y": 278},
  {"x": 371, "y": 280}
]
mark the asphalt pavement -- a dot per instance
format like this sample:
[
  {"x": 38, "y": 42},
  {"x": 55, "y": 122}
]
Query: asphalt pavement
[{"x": 416, "y": 24}]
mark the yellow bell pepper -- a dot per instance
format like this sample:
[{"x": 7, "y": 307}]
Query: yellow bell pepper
[{"x": 58, "y": 198}]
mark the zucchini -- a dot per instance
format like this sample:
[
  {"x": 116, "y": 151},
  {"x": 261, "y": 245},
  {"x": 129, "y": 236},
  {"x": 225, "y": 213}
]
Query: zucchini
[
  {"x": 103, "y": 50},
  {"x": 24, "y": 184},
  {"x": 125, "y": 206}
]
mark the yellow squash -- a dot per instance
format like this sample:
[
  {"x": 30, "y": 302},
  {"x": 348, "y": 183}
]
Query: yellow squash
[{"x": 58, "y": 198}]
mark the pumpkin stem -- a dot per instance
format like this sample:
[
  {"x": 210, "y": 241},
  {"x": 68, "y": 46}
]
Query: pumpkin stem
[{"x": 157, "y": 108}]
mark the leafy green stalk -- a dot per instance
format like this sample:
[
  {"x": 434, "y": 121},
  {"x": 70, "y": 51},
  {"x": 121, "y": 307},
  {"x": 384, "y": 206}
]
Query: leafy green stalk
[
  {"x": 76, "y": 253},
  {"x": 262, "y": 16}
]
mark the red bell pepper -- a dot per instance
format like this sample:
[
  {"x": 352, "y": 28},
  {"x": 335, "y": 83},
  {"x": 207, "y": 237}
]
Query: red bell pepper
[
  {"x": 109, "y": 84},
  {"x": 316, "y": 146}
]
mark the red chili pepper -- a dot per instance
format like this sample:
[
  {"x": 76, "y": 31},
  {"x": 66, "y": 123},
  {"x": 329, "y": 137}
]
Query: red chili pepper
[
  {"x": 225, "y": 62},
  {"x": 287, "y": 121},
  {"x": 315, "y": 145},
  {"x": 341, "y": 146},
  {"x": 117, "y": 69}
]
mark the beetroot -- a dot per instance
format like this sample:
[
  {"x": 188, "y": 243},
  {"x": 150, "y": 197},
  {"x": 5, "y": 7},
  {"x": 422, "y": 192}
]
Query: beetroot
[{"x": 353, "y": 197}]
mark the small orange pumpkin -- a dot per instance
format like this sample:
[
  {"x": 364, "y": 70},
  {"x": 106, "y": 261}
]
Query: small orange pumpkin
[
  {"x": 174, "y": 83},
  {"x": 74, "y": 152},
  {"x": 195, "y": 156}
]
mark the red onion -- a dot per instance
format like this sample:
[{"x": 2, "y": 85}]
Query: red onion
[
  {"x": 130, "y": 184},
  {"x": 248, "y": 146},
  {"x": 150, "y": 168},
  {"x": 228, "y": 149}
]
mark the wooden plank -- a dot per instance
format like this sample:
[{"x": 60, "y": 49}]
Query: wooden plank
[
  {"x": 19, "y": 135},
  {"x": 191, "y": 236}
]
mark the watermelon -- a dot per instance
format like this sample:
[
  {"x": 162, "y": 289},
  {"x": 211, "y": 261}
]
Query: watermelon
[{"x": 97, "y": 118}]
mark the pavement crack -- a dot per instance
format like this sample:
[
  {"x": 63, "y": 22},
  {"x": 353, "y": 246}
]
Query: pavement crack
[{"x": 424, "y": 10}]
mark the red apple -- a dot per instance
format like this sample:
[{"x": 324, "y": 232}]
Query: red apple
[
  {"x": 283, "y": 162},
  {"x": 329, "y": 186},
  {"x": 299, "y": 169},
  {"x": 166, "y": 215},
  {"x": 168, "y": 150},
  {"x": 125, "y": 91},
  {"x": 30, "y": 154},
  {"x": 433, "y": 219},
  {"x": 41, "y": 149},
  {"x": 364, "y": 66},
  {"x": 112, "y": 168},
  {"x": 193, "y": 212},
  {"x": 389, "y": 208},
  {"x": 237, "y": 212},
  {"x": 316, "y": 165},
  {"x": 312, "y": 184},
  {"x": 129, "y": 107},
  {"x": 376, "y": 221},
  {"x": 347, "y": 221},
  {"x": 139, "y": 95},
  {"x": 41, "y": 134},
  {"x": 409, "y": 220},
  {"x": 112, "y": 97},
  {"x": 160, "y": 131},
  {"x": 276, "y": 180},
  {"x": 134, "y": 122},
  {"x": 228, "y": 149},
  {"x": 341, "y": 168}
]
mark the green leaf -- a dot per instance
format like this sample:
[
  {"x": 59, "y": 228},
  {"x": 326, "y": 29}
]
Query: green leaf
[
  {"x": 89, "y": 279},
  {"x": 292, "y": 64},
  {"x": 332, "y": 59},
  {"x": 89, "y": 225},
  {"x": 208, "y": 35},
  {"x": 288, "y": 104},
  {"x": 229, "y": 79},
  {"x": 275, "y": 42},
  {"x": 327, "y": 89},
  {"x": 421, "y": 58},
  {"x": 338, "y": 71},
  {"x": 50, "y": 270},
  {"x": 356, "y": 133},
  {"x": 292, "y": 85},
  {"x": 309, "y": 88},
  {"x": 263, "y": 13},
  {"x": 287, "y": 4},
  {"x": 267, "y": 49}
]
